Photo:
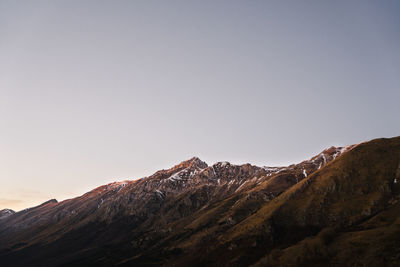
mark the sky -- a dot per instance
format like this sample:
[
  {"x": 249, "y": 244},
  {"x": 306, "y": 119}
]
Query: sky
[{"x": 93, "y": 92}]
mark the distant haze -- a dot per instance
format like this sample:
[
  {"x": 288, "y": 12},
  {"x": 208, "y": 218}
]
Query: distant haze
[{"x": 98, "y": 91}]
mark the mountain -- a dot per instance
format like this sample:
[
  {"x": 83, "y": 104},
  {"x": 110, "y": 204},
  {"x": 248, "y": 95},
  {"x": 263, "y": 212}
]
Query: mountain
[
  {"x": 5, "y": 213},
  {"x": 340, "y": 207}
]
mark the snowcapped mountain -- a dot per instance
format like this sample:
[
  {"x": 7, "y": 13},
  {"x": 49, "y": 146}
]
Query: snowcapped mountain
[{"x": 197, "y": 214}]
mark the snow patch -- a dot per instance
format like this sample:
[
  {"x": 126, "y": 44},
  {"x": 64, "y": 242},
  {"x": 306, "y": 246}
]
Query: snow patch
[
  {"x": 176, "y": 176},
  {"x": 224, "y": 164},
  {"x": 344, "y": 149},
  {"x": 116, "y": 186},
  {"x": 270, "y": 169},
  {"x": 241, "y": 186},
  {"x": 160, "y": 194},
  {"x": 101, "y": 202},
  {"x": 274, "y": 170},
  {"x": 193, "y": 173},
  {"x": 215, "y": 174},
  {"x": 323, "y": 156}
]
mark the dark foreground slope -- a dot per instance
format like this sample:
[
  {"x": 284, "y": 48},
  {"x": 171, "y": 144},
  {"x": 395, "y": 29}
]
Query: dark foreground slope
[{"x": 339, "y": 208}]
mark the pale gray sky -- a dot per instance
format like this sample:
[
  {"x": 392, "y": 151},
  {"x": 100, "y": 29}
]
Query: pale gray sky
[{"x": 98, "y": 91}]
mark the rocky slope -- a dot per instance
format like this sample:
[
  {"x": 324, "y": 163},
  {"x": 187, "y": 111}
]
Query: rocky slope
[
  {"x": 224, "y": 214},
  {"x": 5, "y": 213}
]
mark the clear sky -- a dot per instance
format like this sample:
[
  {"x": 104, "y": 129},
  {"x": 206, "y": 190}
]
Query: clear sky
[{"x": 93, "y": 92}]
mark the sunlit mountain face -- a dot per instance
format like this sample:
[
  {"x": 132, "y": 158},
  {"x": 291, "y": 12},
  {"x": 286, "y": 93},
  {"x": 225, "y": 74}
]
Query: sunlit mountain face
[{"x": 341, "y": 207}]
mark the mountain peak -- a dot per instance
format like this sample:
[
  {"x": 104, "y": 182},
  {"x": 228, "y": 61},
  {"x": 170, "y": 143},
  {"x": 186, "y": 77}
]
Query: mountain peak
[
  {"x": 5, "y": 213},
  {"x": 192, "y": 162},
  {"x": 173, "y": 216}
]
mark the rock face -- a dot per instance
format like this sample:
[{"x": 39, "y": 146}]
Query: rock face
[
  {"x": 5, "y": 213},
  {"x": 224, "y": 214}
]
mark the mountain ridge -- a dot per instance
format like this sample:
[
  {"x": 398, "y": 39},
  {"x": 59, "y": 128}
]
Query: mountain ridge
[
  {"x": 197, "y": 214},
  {"x": 5, "y": 213}
]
